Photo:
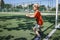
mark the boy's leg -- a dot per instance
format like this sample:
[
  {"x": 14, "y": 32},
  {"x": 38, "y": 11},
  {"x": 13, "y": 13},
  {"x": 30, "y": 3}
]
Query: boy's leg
[
  {"x": 37, "y": 29},
  {"x": 38, "y": 34},
  {"x": 34, "y": 29}
]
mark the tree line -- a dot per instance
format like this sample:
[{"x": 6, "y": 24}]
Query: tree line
[{"x": 30, "y": 7}]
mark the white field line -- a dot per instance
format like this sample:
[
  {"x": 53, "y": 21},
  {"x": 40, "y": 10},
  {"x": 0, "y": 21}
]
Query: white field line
[
  {"x": 26, "y": 13},
  {"x": 50, "y": 34}
]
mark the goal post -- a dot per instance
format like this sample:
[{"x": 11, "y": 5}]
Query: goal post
[
  {"x": 56, "y": 23},
  {"x": 56, "y": 20}
]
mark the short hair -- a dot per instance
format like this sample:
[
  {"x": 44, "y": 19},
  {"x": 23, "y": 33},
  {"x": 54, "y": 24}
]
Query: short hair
[{"x": 36, "y": 5}]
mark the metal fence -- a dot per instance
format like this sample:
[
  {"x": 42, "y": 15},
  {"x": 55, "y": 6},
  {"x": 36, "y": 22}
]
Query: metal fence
[{"x": 45, "y": 6}]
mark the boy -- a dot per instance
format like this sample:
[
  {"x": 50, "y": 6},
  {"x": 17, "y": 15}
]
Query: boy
[{"x": 38, "y": 17}]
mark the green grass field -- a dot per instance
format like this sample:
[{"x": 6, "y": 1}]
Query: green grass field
[{"x": 19, "y": 27}]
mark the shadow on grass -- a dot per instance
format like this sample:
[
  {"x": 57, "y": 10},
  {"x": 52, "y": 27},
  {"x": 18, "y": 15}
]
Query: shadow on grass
[
  {"x": 1, "y": 30},
  {"x": 42, "y": 36},
  {"x": 21, "y": 27},
  {"x": 6, "y": 37},
  {"x": 27, "y": 26},
  {"x": 22, "y": 38},
  {"x": 49, "y": 27},
  {"x": 49, "y": 18},
  {"x": 4, "y": 18},
  {"x": 57, "y": 38}
]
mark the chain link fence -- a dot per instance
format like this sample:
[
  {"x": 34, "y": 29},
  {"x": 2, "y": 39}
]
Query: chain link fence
[{"x": 45, "y": 6}]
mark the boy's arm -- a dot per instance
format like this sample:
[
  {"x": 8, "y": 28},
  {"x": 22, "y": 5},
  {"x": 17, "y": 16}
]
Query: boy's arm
[{"x": 30, "y": 15}]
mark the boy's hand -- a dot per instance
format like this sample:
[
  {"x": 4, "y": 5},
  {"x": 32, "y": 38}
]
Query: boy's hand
[{"x": 27, "y": 14}]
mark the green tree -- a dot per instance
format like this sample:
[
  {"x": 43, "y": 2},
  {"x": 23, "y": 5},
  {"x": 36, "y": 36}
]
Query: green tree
[
  {"x": 31, "y": 6},
  {"x": 42, "y": 7},
  {"x": 20, "y": 6},
  {"x": 7, "y": 6},
  {"x": 53, "y": 9}
]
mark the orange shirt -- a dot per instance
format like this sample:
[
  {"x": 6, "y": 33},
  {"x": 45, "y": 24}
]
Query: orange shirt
[{"x": 38, "y": 17}]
